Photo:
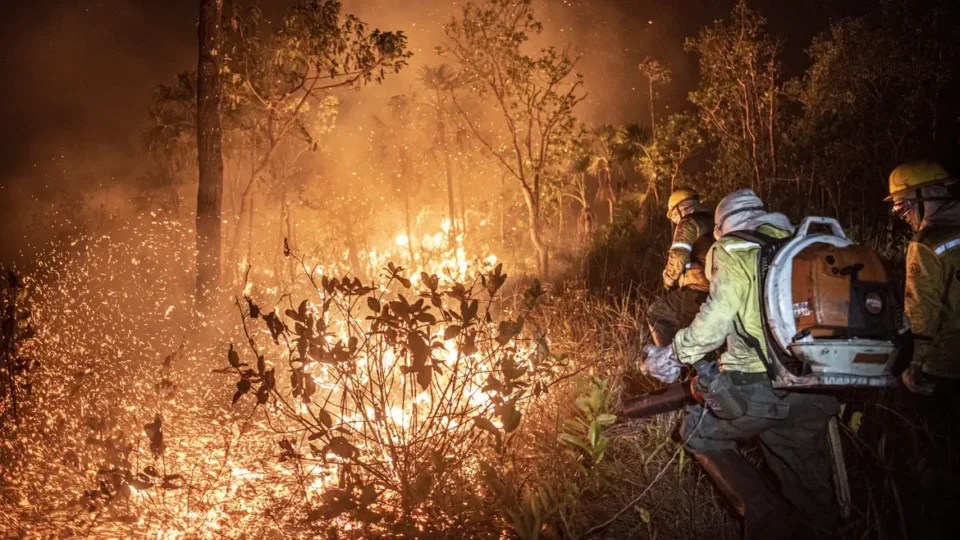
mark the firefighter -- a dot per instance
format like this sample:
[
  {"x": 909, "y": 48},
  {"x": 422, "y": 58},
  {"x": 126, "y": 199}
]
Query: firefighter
[
  {"x": 742, "y": 404},
  {"x": 684, "y": 276},
  {"x": 921, "y": 196}
]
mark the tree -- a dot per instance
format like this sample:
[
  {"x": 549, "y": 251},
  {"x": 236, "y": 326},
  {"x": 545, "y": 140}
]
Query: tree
[
  {"x": 209, "y": 156},
  {"x": 739, "y": 99},
  {"x": 865, "y": 108},
  {"x": 604, "y": 163},
  {"x": 279, "y": 79},
  {"x": 533, "y": 95},
  {"x": 397, "y": 141},
  {"x": 440, "y": 81},
  {"x": 170, "y": 142},
  {"x": 577, "y": 189},
  {"x": 655, "y": 74}
]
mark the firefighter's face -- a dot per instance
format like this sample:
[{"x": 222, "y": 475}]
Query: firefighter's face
[{"x": 908, "y": 209}]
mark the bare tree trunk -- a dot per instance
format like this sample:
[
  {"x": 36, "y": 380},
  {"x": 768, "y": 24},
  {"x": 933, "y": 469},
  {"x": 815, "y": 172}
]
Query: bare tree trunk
[
  {"x": 238, "y": 214},
  {"x": 533, "y": 223},
  {"x": 772, "y": 119},
  {"x": 250, "y": 214},
  {"x": 653, "y": 118},
  {"x": 560, "y": 215},
  {"x": 445, "y": 148},
  {"x": 406, "y": 214},
  {"x": 463, "y": 198},
  {"x": 209, "y": 154},
  {"x": 503, "y": 206}
]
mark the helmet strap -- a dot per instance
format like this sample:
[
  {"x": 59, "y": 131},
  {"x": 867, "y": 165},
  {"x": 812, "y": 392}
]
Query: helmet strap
[
  {"x": 921, "y": 205},
  {"x": 676, "y": 207}
]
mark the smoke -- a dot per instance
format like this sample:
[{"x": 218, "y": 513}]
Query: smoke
[{"x": 78, "y": 78}]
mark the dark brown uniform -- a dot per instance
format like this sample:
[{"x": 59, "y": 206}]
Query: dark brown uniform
[{"x": 685, "y": 276}]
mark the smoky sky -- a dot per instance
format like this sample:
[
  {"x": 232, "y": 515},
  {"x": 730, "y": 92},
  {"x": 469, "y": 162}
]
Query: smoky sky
[{"x": 76, "y": 76}]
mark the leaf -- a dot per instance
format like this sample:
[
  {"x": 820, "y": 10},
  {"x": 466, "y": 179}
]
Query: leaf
[
  {"x": 233, "y": 357},
  {"x": 469, "y": 346},
  {"x": 506, "y": 332},
  {"x": 594, "y": 433},
  {"x": 510, "y": 417},
  {"x": 451, "y": 332},
  {"x": 573, "y": 440},
  {"x": 368, "y": 494},
  {"x": 243, "y": 386},
  {"x": 154, "y": 431},
  {"x": 532, "y": 295},
  {"x": 468, "y": 311},
  {"x": 139, "y": 484},
  {"x": 341, "y": 446},
  {"x": 644, "y": 514},
  {"x": 488, "y": 426},
  {"x": 325, "y": 419},
  {"x": 254, "y": 310},
  {"x": 309, "y": 388},
  {"x": 606, "y": 419},
  {"x": 373, "y": 304},
  {"x": 855, "y": 420}
]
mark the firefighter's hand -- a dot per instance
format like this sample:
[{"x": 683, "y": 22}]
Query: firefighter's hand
[
  {"x": 661, "y": 363},
  {"x": 917, "y": 382},
  {"x": 669, "y": 283}
]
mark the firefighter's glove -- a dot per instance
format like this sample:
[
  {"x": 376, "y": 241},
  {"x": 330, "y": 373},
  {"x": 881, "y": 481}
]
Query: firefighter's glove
[
  {"x": 669, "y": 283},
  {"x": 661, "y": 363},
  {"x": 917, "y": 381}
]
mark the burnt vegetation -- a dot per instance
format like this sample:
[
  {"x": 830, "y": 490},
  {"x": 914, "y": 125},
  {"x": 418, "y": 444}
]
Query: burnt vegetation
[{"x": 367, "y": 368}]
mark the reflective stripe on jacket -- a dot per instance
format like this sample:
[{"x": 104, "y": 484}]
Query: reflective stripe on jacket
[
  {"x": 733, "y": 307},
  {"x": 932, "y": 299},
  {"x": 686, "y": 260}
]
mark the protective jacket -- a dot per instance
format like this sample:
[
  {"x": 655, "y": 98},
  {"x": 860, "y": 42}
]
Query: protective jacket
[
  {"x": 686, "y": 260},
  {"x": 932, "y": 295},
  {"x": 732, "y": 311}
]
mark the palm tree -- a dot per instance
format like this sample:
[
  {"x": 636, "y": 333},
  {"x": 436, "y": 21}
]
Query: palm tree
[{"x": 635, "y": 145}]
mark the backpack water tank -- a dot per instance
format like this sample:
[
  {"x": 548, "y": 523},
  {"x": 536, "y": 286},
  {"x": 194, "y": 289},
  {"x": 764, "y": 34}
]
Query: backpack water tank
[{"x": 831, "y": 312}]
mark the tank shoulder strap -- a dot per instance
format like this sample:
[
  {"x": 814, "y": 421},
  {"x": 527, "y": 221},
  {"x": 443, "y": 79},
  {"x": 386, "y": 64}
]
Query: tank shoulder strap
[
  {"x": 769, "y": 246},
  {"x": 756, "y": 237}
]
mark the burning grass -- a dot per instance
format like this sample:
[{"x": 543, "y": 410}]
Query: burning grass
[{"x": 416, "y": 404}]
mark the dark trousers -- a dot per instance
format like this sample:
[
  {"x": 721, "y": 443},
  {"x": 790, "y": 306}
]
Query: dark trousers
[
  {"x": 792, "y": 428},
  {"x": 933, "y": 468},
  {"x": 669, "y": 313}
]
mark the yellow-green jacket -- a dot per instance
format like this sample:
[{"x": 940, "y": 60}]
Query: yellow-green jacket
[
  {"x": 932, "y": 298},
  {"x": 733, "y": 306},
  {"x": 686, "y": 260}
]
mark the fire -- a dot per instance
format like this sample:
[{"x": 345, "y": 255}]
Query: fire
[{"x": 223, "y": 461}]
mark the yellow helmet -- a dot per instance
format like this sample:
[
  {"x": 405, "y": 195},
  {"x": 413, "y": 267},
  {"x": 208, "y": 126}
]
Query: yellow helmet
[
  {"x": 678, "y": 196},
  {"x": 916, "y": 175}
]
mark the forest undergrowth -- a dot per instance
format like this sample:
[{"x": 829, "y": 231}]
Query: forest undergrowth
[
  {"x": 410, "y": 405},
  {"x": 490, "y": 411}
]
